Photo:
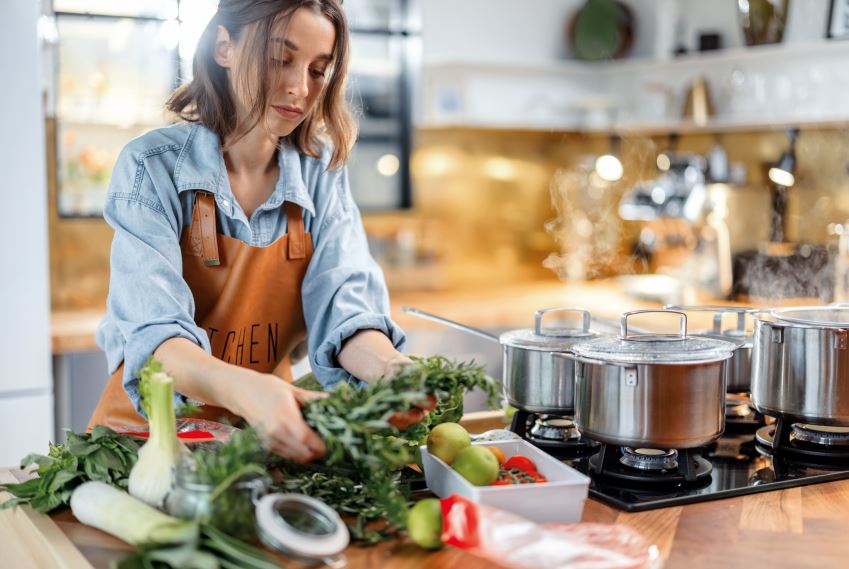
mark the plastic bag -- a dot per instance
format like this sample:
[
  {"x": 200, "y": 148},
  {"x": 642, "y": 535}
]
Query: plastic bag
[{"x": 516, "y": 542}]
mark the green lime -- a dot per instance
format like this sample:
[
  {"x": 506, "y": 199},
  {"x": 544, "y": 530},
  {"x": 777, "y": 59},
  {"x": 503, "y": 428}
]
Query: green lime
[
  {"x": 446, "y": 440},
  {"x": 477, "y": 464},
  {"x": 424, "y": 523}
]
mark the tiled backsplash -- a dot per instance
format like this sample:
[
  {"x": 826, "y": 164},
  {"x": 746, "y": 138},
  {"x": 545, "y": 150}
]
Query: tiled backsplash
[{"x": 482, "y": 205}]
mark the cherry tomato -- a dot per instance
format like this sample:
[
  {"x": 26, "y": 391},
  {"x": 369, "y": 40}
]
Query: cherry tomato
[
  {"x": 521, "y": 462},
  {"x": 501, "y": 482}
]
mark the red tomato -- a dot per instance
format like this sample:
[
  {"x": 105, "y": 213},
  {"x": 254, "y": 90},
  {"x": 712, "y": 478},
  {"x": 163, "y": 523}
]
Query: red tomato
[
  {"x": 521, "y": 462},
  {"x": 501, "y": 482}
]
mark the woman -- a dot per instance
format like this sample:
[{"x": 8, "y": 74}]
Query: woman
[{"x": 236, "y": 234}]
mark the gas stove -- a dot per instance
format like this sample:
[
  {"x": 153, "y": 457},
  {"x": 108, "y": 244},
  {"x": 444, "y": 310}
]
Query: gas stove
[
  {"x": 742, "y": 461},
  {"x": 555, "y": 434}
]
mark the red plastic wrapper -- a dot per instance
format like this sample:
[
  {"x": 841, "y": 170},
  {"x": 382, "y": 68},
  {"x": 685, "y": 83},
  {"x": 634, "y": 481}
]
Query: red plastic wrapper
[{"x": 513, "y": 541}]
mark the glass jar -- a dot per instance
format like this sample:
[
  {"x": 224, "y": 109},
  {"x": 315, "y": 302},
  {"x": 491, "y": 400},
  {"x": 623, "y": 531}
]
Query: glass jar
[{"x": 231, "y": 510}]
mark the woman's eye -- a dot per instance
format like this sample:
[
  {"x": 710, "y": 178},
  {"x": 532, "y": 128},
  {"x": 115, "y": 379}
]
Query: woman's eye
[
  {"x": 317, "y": 73},
  {"x": 279, "y": 62}
]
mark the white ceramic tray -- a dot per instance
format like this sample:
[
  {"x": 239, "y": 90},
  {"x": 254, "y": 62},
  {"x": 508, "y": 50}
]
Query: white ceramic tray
[{"x": 561, "y": 499}]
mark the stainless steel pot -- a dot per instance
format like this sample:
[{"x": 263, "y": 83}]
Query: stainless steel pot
[
  {"x": 533, "y": 381},
  {"x": 800, "y": 364},
  {"x": 740, "y": 366},
  {"x": 651, "y": 390}
]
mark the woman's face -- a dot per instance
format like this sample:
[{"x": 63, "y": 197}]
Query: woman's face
[{"x": 301, "y": 57}]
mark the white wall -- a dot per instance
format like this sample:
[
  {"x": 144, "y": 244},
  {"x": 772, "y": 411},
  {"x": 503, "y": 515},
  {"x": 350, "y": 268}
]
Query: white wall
[
  {"x": 534, "y": 31},
  {"x": 26, "y": 408}
]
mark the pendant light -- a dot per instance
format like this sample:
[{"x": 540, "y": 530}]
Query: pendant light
[
  {"x": 608, "y": 166},
  {"x": 783, "y": 173}
]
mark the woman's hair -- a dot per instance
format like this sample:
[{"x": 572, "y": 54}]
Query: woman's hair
[{"x": 207, "y": 98}]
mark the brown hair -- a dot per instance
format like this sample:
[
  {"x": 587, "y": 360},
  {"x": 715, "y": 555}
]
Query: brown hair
[{"x": 207, "y": 98}]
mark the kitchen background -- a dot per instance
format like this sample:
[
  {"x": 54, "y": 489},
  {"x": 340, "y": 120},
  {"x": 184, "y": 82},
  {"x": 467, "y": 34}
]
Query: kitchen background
[{"x": 503, "y": 145}]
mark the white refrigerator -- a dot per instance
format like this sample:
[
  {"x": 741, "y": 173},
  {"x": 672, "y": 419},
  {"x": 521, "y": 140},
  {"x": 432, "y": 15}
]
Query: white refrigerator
[{"x": 26, "y": 384}]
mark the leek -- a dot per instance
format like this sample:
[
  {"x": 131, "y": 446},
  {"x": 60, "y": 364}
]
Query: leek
[
  {"x": 152, "y": 477},
  {"x": 107, "y": 508}
]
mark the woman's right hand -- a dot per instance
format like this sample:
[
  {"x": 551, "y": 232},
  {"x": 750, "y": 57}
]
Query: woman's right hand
[{"x": 273, "y": 407}]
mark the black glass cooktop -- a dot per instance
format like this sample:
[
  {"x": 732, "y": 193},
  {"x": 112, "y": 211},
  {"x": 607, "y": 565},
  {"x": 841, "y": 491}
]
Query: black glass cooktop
[{"x": 737, "y": 465}]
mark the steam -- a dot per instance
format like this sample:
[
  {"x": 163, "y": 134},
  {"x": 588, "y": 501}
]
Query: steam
[{"x": 586, "y": 227}]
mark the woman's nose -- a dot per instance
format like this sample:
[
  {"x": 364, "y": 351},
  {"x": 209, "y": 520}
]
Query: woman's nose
[{"x": 296, "y": 83}]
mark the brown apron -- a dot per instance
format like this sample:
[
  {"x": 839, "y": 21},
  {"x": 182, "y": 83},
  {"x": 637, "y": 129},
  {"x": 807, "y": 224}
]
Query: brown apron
[{"x": 248, "y": 299}]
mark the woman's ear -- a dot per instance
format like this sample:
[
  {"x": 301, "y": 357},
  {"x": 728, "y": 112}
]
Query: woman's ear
[{"x": 223, "y": 50}]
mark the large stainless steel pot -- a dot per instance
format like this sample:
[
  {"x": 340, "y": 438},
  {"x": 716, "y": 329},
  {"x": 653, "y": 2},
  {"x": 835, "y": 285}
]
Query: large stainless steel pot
[
  {"x": 651, "y": 390},
  {"x": 800, "y": 364},
  {"x": 533, "y": 381},
  {"x": 740, "y": 366}
]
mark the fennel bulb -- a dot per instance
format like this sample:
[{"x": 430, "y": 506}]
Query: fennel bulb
[{"x": 153, "y": 474}]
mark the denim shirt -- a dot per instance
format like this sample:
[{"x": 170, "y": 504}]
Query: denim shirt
[{"x": 150, "y": 201}]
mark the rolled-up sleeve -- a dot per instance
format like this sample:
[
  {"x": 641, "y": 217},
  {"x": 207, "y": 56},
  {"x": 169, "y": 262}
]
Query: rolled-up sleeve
[
  {"x": 149, "y": 301},
  {"x": 344, "y": 290}
]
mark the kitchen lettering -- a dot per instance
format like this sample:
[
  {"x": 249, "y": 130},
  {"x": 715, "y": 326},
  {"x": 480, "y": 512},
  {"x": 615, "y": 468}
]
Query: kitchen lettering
[{"x": 251, "y": 344}]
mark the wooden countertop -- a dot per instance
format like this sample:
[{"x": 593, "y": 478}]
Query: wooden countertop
[
  {"x": 784, "y": 529},
  {"x": 501, "y": 306}
]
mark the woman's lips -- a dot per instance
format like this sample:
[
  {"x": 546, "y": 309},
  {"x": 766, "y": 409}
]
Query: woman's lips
[{"x": 288, "y": 112}]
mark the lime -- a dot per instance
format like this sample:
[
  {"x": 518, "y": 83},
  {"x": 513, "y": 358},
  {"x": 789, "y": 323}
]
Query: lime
[
  {"x": 446, "y": 440},
  {"x": 477, "y": 464},
  {"x": 424, "y": 523}
]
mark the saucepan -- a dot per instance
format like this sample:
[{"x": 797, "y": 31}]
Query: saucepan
[
  {"x": 663, "y": 391},
  {"x": 533, "y": 380},
  {"x": 800, "y": 364},
  {"x": 740, "y": 366}
]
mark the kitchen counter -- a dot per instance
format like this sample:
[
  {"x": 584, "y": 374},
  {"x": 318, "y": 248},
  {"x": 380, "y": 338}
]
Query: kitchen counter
[
  {"x": 786, "y": 529},
  {"x": 501, "y": 306}
]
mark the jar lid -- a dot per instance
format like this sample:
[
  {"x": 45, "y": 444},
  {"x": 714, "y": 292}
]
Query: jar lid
[
  {"x": 550, "y": 338},
  {"x": 302, "y": 527},
  {"x": 656, "y": 348}
]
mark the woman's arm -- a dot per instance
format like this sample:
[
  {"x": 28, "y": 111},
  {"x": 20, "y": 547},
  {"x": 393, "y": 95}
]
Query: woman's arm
[
  {"x": 269, "y": 404},
  {"x": 369, "y": 355}
]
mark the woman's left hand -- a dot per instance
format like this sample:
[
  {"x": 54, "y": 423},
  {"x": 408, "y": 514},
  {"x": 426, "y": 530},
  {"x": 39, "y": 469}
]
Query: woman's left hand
[{"x": 403, "y": 419}]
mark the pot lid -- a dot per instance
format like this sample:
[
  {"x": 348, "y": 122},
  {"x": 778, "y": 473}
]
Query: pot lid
[
  {"x": 827, "y": 316},
  {"x": 656, "y": 348},
  {"x": 719, "y": 314},
  {"x": 550, "y": 338}
]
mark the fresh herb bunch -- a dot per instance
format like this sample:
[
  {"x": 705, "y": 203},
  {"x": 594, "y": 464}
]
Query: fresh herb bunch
[
  {"x": 375, "y": 498},
  {"x": 102, "y": 455},
  {"x": 354, "y": 424},
  {"x": 225, "y": 468}
]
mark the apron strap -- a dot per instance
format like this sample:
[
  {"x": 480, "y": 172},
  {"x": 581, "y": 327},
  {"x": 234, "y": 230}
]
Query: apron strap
[
  {"x": 203, "y": 229},
  {"x": 295, "y": 230}
]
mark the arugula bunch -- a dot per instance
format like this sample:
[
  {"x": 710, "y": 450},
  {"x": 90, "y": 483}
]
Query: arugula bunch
[{"x": 102, "y": 455}]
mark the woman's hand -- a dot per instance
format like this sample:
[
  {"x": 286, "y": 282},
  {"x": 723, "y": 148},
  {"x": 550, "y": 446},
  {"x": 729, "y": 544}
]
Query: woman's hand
[
  {"x": 403, "y": 419},
  {"x": 273, "y": 408}
]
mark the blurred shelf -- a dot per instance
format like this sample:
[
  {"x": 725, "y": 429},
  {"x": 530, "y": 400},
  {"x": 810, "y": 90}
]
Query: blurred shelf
[{"x": 754, "y": 88}]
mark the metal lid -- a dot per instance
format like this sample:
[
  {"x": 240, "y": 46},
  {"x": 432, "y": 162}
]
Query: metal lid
[
  {"x": 550, "y": 338},
  {"x": 822, "y": 316},
  {"x": 303, "y": 528},
  {"x": 720, "y": 312},
  {"x": 656, "y": 348}
]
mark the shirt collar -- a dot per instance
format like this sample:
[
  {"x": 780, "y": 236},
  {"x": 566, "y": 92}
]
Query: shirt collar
[{"x": 200, "y": 166}]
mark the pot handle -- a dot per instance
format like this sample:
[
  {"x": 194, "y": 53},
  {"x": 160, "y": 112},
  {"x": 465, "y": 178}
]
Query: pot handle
[
  {"x": 682, "y": 322},
  {"x": 450, "y": 323},
  {"x": 538, "y": 328},
  {"x": 740, "y": 311}
]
